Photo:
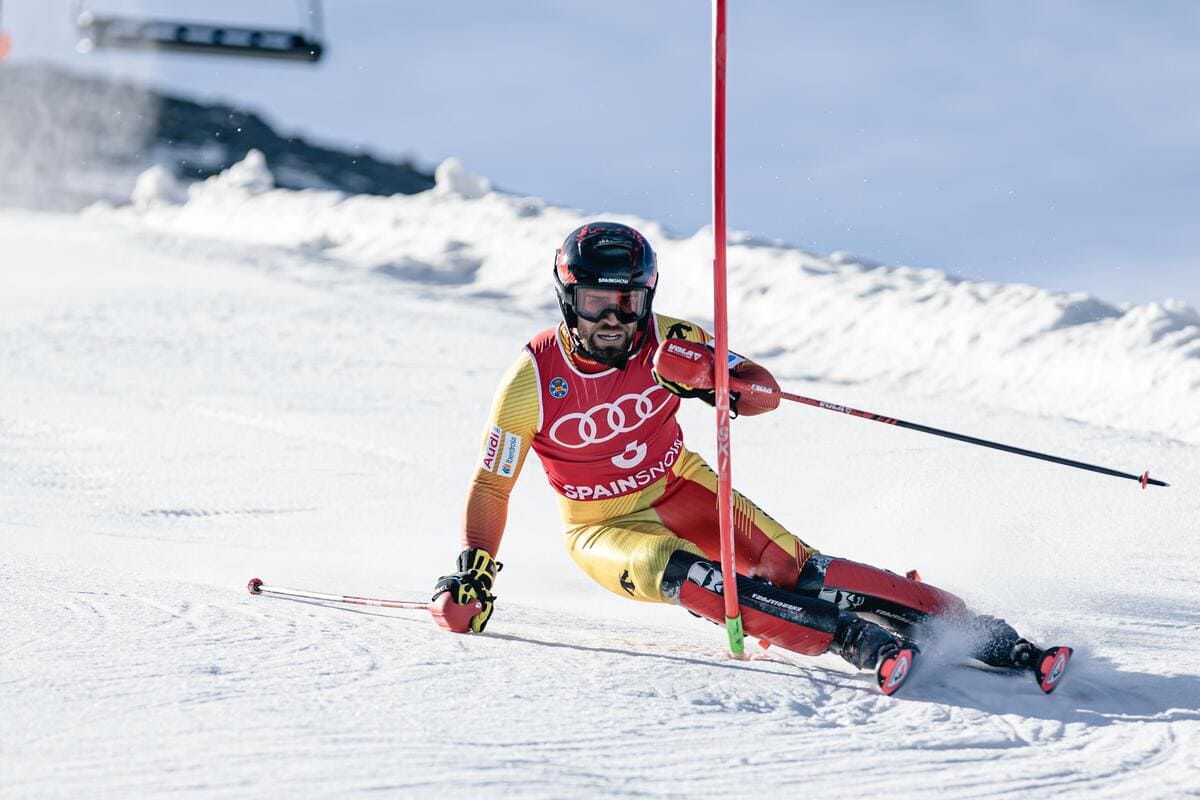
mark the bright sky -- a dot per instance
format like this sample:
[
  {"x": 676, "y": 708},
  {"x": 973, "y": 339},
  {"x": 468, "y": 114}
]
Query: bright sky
[{"x": 1054, "y": 143}]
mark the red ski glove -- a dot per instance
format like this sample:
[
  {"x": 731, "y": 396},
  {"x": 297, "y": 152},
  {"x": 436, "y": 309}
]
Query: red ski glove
[
  {"x": 687, "y": 369},
  {"x": 750, "y": 380},
  {"x": 684, "y": 366}
]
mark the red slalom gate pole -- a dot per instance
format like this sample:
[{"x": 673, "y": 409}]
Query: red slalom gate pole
[
  {"x": 733, "y": 614},
  {"x": 446, "y": 613}
]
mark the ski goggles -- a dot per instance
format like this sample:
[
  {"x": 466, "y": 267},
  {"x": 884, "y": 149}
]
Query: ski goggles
[{"x": 594, "y": 303}]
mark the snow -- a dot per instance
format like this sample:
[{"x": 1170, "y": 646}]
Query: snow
[
  {"x": 246, "y": 381},
  {"x": 248, "y": 177},
  {"x": 156, "y": 185},
  {"x": 917, "y": 331},
  {"x": 451, "y": 177}
]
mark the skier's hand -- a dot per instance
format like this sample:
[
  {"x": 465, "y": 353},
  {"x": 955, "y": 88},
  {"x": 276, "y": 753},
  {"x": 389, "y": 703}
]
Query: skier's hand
[
  {"x": 707, "y": 395},
  {"x": 683, "y": 390},
  {"x": 751, "y": 378},
  {"x": 687, "y": 369},
  {"x": 471, "y": 586}
]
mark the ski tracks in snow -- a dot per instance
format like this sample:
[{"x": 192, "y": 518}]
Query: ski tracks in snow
[
  {"x": 141, "y": 686},
  {"x": 173, "y": 424},
  {"x": 146, "y": 687}
]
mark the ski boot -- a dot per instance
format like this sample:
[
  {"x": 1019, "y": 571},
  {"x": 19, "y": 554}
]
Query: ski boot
[
  {"x": 1003, "y": 648},
  {"x": 869, "y": 646}
]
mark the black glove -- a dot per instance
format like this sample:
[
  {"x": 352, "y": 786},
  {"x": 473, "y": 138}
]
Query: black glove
[
  {"x": 473, "y": 581},
  {"x": 707, "y": 395}
]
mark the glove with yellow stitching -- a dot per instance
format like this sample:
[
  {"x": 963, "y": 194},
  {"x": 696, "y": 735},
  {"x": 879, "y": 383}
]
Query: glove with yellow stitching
[{"x": 470, "y": 586}]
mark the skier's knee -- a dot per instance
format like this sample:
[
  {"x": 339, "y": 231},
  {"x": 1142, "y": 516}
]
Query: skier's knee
[
  {"x": 643, "y": 575},
  {"x": 627, "y": 560},
  {"x": 684, "y": 564},
  {"x": 653, "y": 558}
]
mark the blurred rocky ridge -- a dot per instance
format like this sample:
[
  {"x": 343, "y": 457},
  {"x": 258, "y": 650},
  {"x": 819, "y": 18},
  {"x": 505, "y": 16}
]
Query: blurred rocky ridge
[{"x": 67, "y": 140}]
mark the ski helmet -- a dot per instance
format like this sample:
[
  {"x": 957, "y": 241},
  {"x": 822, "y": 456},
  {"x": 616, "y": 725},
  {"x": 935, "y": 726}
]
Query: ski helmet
[{"x": 605, "y": 267}]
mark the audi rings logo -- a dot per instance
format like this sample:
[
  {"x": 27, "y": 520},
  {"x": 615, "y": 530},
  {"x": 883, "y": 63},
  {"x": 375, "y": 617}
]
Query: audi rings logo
[{"x": 603, "y": 422}]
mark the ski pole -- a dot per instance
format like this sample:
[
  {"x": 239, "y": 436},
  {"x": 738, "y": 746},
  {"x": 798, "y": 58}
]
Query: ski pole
[
  {"x": 450, "y": 615},
  {"x": 1144, "y": 479},
  {"x": 256, "y": 586},
  {"x": 685, "y": 362}
]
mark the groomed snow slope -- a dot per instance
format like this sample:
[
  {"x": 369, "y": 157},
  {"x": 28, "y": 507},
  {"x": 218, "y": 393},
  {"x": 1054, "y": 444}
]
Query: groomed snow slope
[
  {"x": 292, "y": 385},
  {"x": 1007, "y": 345}
]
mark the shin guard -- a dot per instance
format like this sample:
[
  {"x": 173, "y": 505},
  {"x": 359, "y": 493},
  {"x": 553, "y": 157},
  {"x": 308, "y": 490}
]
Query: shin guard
[
  {"x": 861, "y": 588},
  {"x": 804, "y": 625}
]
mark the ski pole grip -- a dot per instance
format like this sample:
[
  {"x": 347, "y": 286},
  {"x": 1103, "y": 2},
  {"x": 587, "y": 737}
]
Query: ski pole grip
[{"x": 688, "y": 363}]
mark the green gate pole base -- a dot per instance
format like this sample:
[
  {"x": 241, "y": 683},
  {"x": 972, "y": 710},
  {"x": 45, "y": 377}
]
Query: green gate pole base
[{"x": 737, "y": 638}]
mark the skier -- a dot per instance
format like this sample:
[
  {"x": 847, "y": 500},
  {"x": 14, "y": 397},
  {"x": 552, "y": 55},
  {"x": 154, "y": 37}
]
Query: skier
[{"x": 640, "y": 509}]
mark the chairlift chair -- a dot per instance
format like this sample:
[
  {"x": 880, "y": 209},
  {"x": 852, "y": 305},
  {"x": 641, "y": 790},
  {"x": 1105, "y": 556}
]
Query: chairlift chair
[{"x": 179, "y": 36}]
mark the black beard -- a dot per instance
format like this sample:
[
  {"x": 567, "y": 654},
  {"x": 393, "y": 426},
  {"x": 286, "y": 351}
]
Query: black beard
[{"x": 610, "y": 357}]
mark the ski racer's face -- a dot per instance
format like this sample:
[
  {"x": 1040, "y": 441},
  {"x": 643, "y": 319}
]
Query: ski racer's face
[{"x": 609, "y": 338}]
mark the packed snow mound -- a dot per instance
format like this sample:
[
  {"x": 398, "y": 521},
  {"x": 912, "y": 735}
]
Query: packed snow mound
[
  {"x": 156, "y": 185},
  {"x": 832, "y": 319},
  {"x": 451, "y": 177},
  {"x": 250, "y": 175}
]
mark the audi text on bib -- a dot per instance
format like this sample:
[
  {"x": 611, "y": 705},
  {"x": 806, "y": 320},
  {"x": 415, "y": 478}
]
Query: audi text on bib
[{"x": 607, "y": 434}]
